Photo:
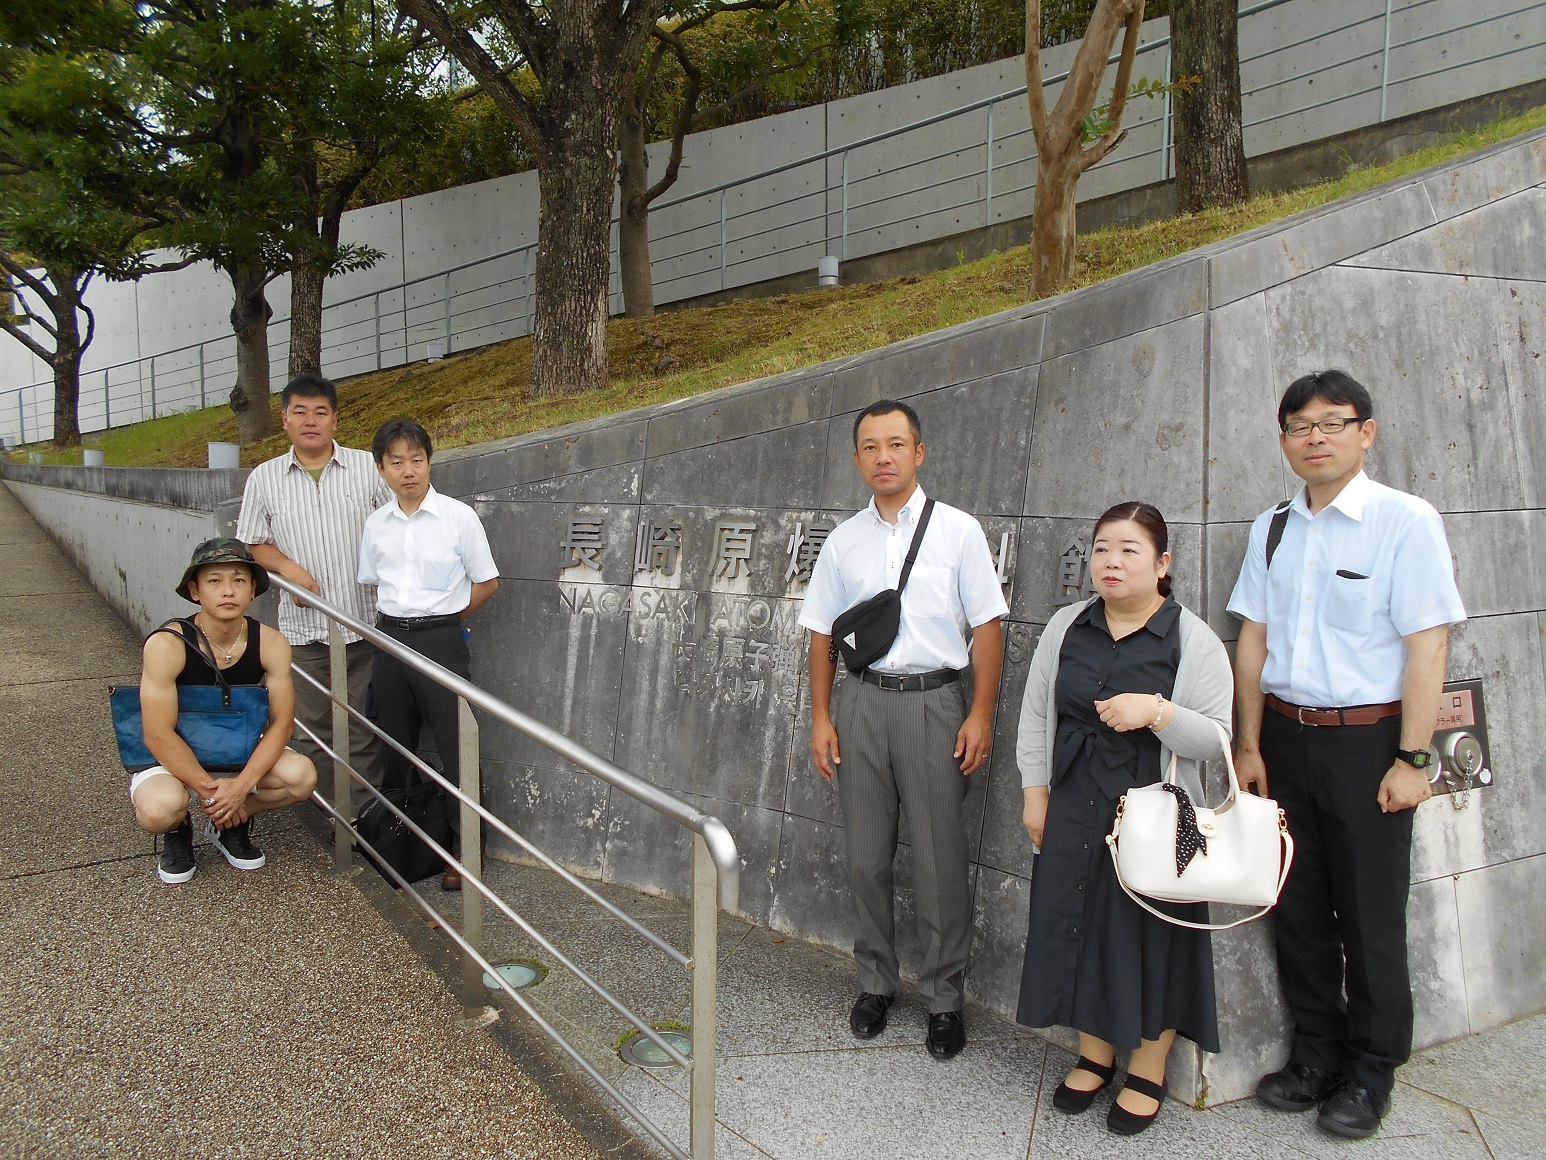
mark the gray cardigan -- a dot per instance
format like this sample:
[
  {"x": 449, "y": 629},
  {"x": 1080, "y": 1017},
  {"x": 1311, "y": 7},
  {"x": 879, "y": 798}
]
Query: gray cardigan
[{"x": 1203, "y": 695}]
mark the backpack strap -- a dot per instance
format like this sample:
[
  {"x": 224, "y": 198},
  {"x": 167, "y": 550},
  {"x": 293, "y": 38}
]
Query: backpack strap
[
  {"x": 912, "y": 549},
  {"x": 1275, "y": 529}
]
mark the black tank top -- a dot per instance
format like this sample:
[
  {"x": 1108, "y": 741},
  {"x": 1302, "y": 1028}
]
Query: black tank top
[{"x": 248, "y": 669}]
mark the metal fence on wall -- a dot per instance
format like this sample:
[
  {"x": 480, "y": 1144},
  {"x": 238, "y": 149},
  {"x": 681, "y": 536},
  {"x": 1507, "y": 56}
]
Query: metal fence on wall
[{"x": 967, "y": 167}]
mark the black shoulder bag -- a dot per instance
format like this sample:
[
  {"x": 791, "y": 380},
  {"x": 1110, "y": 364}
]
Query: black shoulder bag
[{"x": 865, "y": 633}]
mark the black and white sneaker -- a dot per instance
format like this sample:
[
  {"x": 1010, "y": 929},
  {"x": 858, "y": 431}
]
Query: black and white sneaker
[
  {"x": 237, "y": 845},
  {"x": 176, "y": 863}
]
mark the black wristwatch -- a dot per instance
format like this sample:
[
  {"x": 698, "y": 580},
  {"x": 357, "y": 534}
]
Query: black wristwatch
[{"x": 1416, "y": 758}]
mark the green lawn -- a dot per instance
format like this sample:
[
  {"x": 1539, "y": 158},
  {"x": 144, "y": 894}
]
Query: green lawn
[{"x": 483, "y": 395}]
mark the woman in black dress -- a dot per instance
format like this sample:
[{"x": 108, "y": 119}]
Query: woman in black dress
[{"x": 1118, "y": 683}]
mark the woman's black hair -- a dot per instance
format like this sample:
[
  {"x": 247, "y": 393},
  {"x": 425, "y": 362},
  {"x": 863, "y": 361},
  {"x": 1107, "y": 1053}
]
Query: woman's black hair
[{"x": 1147, "y": 517}]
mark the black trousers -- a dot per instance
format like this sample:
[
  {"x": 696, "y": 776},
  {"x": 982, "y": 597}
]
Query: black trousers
[
  {"x": 1341, "y": 923},
  {"x": 405, "y": 701}
]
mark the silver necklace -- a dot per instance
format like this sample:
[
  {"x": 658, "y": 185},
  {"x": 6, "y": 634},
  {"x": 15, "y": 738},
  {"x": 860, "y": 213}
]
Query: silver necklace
[{"x": 241, "y": 637}]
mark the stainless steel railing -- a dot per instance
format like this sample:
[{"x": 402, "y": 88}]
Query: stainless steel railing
[
  {"x": 847, "y": 200},
  {"x": 715, "y": 865}
]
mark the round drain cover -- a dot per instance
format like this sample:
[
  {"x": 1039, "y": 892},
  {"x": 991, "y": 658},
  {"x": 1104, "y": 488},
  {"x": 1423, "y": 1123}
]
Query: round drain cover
[
  {"x": 643, "y": 1051},
  {"x": 516, "y": 974}
]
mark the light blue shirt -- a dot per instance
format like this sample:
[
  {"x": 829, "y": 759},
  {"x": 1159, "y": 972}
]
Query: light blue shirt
[
  {"x": 1346, "y": 585},
  {"x": 953, "y": 586}
]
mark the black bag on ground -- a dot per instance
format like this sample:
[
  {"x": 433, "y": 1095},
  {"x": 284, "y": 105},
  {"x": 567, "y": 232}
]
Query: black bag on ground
[
  {"x": 866, "y": 632},
  {"x": 398, "y": 846}
]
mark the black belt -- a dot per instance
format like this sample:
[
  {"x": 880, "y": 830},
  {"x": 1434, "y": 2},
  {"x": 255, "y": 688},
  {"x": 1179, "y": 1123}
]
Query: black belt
[
  {"x": 913, "y": 682},
  {"x": 417, "y": 623}
]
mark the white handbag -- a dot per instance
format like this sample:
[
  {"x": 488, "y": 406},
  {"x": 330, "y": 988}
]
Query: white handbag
[{"x": 1249, "y": 849}]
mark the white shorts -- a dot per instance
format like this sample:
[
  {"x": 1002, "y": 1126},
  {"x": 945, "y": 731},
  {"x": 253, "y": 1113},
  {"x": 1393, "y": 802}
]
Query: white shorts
[{"x": 145, "y": 775}]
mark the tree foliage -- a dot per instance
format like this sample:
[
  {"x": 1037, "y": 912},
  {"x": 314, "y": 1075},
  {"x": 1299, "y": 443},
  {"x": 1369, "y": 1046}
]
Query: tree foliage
[{"x": 78, "y": 186}]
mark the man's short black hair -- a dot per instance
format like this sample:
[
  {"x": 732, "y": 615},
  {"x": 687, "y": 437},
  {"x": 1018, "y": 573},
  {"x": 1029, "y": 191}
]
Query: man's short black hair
[
  {"x": 1333, "y": 386},
  {"x": 309, "y": 386},
  {"x": 889, "y": 407},
  {"x": 400, "y": 430}
]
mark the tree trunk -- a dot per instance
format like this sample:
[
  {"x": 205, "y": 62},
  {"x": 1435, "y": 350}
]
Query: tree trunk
[
  {"x": 633, "y": 227},
  {"x": 67, "y": 361},
  {"x": 1062, "y": 156},
  {"x": 67, "y": 370},
  {"x": 306, "y": 279},
  {"x": 249, "y": 322},
  {"x": 573, "y": 231},
  {"x": 1210, "y": 148},
  {"x": 1054, "y": 225}
]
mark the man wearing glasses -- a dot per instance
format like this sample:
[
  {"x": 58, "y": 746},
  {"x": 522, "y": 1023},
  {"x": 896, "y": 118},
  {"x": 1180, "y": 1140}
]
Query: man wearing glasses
[{"x": 1345, "y": 599}]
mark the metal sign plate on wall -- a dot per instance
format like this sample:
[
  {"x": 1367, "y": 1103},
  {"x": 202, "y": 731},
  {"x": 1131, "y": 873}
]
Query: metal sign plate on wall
[{"x": 1462, "y": 754}]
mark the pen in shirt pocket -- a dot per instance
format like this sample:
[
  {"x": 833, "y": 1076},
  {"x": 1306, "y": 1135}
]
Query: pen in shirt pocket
[{"x": 1346, "y": 575}]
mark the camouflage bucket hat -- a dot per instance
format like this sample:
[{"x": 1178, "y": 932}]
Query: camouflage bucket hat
[{"x": 223, "y": 550}]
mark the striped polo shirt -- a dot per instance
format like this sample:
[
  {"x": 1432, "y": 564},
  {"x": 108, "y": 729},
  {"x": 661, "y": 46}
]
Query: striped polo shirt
[{"x": 318, "y": 524}]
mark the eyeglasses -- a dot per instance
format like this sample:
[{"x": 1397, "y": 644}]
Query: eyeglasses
[{"x": 1326, "y": 426}]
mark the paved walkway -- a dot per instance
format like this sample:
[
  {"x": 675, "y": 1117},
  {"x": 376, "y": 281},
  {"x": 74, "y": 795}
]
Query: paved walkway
[
  {"x": 793, "y": 1083},
  {"x": 271, "y": 1014},
  {"x": 280, "y": 1014}
]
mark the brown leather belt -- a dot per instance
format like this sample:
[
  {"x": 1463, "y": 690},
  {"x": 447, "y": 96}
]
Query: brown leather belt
[{"x": 1353, "y": 715}]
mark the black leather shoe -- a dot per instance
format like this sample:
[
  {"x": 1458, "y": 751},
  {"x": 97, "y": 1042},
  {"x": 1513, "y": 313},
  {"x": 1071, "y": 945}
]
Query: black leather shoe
[
  {"x": 868, "y": 1018},
  {"x": 947, "y": 1034},
  {"x": 1296, "y": 1088},
  {"x": 1352, "y": 1110}
]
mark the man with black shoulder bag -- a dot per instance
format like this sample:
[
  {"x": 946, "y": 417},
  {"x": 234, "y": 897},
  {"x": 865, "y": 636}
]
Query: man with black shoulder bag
[{"x": 895, "y": 593}]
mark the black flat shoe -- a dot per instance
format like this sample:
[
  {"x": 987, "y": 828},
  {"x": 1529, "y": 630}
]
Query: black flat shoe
[
  {"x": 947, "y": 1034},
  {"x": 1075, "y": 1100},
  {"x": 868, "y": 1018},
  {"x": 1296, "y": 1088},
  {"x": 1126, "y": 1123},
  {"x": 1353, "y": 1111}
]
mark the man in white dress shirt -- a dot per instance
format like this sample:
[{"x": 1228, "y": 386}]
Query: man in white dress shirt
[
  {"x": 907, "y": 738},
  {"x": 1345, "y": 600},
  {"x": 302, "y": 515},
  {"x": 429, "y": 558}
]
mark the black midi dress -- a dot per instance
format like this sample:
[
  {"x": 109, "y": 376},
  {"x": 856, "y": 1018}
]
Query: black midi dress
[{"x": 1094, "y": 960}]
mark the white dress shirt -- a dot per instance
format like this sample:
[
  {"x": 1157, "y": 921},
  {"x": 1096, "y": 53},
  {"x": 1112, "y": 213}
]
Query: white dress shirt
[
  {"x": 952, "y": 587},
  {"x": 318, "y": 524},
  {"x": 425, "y": 564},
  {"x": 1346, "y": 585}
]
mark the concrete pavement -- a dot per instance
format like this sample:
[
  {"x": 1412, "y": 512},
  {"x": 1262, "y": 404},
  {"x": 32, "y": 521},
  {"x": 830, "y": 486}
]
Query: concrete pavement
[{"x": 271, "y": 1013}]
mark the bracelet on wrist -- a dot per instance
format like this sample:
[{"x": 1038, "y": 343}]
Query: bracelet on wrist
[{"x": 1159, "y": 710}]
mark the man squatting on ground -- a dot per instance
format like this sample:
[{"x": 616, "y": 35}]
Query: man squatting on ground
[
  {"x": 1339, "y": 673},
  {"x": 428, "y": 556},
  {"x": 906, "y": 735},
  {"x": 303, "y": 513},
  {"x": 222, "y": 580}
]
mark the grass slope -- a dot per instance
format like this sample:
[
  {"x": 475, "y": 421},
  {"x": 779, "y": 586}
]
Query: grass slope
[{"x": 483, "y": 395}]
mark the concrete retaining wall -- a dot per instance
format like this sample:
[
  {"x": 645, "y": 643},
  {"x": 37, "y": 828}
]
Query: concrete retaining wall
[
  {"x": 1160, "y": 385},
  {"x": 1310, "y": 69}
]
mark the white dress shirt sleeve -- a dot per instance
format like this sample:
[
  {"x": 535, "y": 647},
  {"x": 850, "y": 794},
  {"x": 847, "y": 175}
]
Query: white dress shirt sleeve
[
  {"x": 368, "y": 572},
  {"x": 982, "y": 597},
  {"x": 1423, "y": 594},
  {"x": 474, "y": 549},
  {"x": 824, "y": 596},
  {"x": 1249, "y": 599}
]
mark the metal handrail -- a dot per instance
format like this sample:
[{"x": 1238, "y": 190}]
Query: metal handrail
[
  {"x": 412, "y": 325},
  {"x": 489, "y": 817},
  {"x": 715, "y": 872}
]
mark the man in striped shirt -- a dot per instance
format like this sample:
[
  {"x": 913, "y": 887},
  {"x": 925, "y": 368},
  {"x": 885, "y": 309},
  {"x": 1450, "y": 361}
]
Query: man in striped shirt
[{"x": 303, "y": 514}]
